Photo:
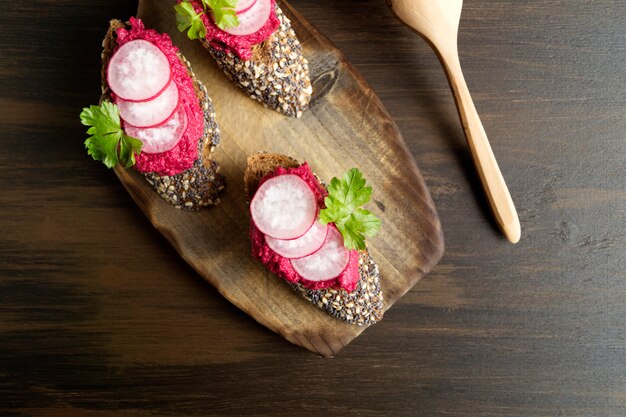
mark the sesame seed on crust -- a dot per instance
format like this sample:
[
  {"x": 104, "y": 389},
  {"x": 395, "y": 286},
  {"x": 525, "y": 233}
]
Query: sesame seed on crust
[
  {"x": 363, "y": 306},
  {"x": 277, "y": 75}
]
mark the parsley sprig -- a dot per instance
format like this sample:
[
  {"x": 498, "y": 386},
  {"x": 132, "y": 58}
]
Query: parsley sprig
[
  {"x": 187, "y": 19},
  {"x": 107, "y": 141},
  {"x": 223, "y": 12},
  {"x": 343, "y": 208}
]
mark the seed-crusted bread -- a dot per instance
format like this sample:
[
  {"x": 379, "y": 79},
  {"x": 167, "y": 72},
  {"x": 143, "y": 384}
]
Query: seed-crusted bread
[
  {"x": 202, "y": 184},
  {"x": 277, "y": 75},
  {"x": 362, "y": 306}
]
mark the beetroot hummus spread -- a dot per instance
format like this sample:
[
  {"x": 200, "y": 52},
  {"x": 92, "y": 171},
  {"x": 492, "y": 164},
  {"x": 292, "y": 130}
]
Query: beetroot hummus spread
[
  {"x": 280, "y": 265},
  {"x": 239, "y": 45},
  {"x": 182, "y": 156}
]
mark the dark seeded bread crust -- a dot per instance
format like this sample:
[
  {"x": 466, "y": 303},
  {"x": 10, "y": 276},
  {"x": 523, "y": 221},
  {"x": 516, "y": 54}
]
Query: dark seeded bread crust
[
  {"x": 364, "y": 305},
  {"x": 202, "y": 184},
  {"x": 277, "y": 75}
]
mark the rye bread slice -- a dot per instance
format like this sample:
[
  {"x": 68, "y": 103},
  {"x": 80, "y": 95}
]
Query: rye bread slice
[
  {"x": 362, "y": 306},
  {"x": 277, "y": 75},
  {"x": 202, "y": 184}
]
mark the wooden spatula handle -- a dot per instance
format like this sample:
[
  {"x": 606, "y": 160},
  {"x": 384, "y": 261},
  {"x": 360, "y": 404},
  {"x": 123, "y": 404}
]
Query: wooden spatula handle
[{"x": 484, "y": 159}]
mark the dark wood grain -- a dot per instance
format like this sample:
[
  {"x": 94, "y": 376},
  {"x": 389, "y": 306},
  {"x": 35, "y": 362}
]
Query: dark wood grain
[{"x": 100, "y": 317}]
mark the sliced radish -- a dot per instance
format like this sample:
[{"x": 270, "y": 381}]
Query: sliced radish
[
  {"x": 252, "y": 19},
  {"x": 163, "y": 137},
  {"x": 150, "y": 113},
  {"x": 306, "y": 245},
  {"x": 138, "y": 71},
  {"x": 284, "y": 207},
  {"x": 244, "y": 5},
  {"x": 328, "y": 262}
]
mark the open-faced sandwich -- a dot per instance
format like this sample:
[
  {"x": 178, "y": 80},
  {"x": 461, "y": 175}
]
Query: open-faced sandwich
[
  {"x": 313, "y": 235},
  {"x": 254, "y": 44},
  {"x": 155, "y": 116}
]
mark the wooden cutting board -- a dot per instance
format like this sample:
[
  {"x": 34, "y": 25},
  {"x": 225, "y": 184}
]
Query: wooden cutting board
[{"x": 346, "y": 126}]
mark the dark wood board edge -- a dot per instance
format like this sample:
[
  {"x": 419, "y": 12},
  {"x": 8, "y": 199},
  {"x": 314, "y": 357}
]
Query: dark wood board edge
[{"x": 431, "y": 253}]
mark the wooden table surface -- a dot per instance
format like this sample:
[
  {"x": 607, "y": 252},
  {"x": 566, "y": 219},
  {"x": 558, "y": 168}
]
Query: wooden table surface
[{"x": 100, "y": 317}]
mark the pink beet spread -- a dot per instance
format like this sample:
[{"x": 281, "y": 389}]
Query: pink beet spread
[
  {"x": 182, "y": 156},
  {"x": 239, "y": 45},
  {"x": 281, "y": 266}
]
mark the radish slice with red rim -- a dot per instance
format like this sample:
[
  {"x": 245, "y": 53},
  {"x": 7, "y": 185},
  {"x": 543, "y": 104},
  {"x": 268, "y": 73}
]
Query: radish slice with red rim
[
  {"x": 328, "y": 262},
  {"x": 163, "y": 137},
  {"x": 138, "y": 71},
  {"x": 244, "y": 5},
  {"x": 284, "y": 207},
  {"x": 150, "y": 113},
  {"x": 253, "y": 19},
  {"x": 306, "y": 245}
]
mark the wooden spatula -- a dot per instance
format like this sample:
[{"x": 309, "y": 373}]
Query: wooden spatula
[{"x": 437, "y": 21}]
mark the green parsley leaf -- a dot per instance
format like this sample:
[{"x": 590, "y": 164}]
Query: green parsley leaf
[
  {"x": 360, "y": 223},
  {"x": 107, "y": 141},
  {"x": 187, "y": 18},
  {"x": 223, "y": 12},
  {"x": 128, "y": 147},
  {"x": 343, "y": 207}
]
